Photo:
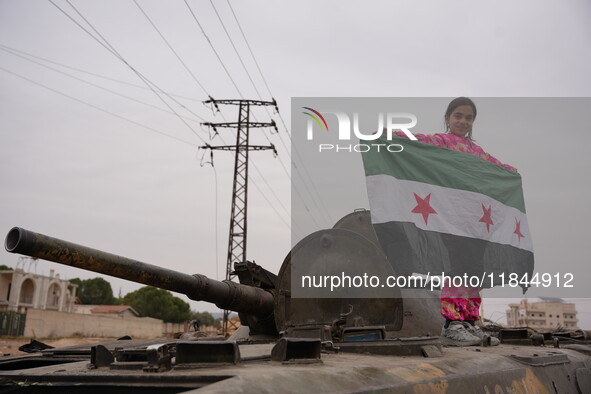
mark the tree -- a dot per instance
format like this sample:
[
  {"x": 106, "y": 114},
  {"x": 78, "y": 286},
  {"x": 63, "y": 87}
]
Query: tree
[
  {"x": 159, "y": 304},
  {"x": 96, "y": 291},
  {"x": 5, "y": 268},
  {"x": 204, "y": 318}
]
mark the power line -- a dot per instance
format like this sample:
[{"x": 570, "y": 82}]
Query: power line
[
  {"x": 254, "y": 182},
  {"x": 235, "y": 50},
  {"x": 105, "y": 43},
  {"x": 94, "y": 85},
  {"x": 175, "y": 53},
  {"x": 241, "y": 62},
  {"x": 217, "y": 259},
  {"x": 172, "y": 49},
  {"x": 251, "y": 53},
  {"x": 269, "y": 202},
  {"x": 269, "y": 90},
  {"x": 272, "y": 192},
  {"x": 92, "y": 73},
  {"x": 325, "y": 210},
  {"x": 257, "y": 64},
  {"x": 260, "y": 72},
  {"x": 254, "y": 165},
  {"x": 252, "y": 82},
  {"x": 265, "y": 181},
  {"x": 235, "y": 85},
  {"x": 97, "y": 107},
  {"x": 144, "y": 79},
  {"x": 305, "y": 206},
  {"x": 214, "y": 51},
  {"x": 114, "y": 52},
  {"x": 156, "y": 131},
  {"x": 313, "y": 196},
  {"x": 294, "y": 188},
  {"x": 111, "y": 49}
]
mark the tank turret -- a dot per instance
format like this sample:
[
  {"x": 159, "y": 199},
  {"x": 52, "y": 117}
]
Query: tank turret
[{"x": 263, "y": 300}]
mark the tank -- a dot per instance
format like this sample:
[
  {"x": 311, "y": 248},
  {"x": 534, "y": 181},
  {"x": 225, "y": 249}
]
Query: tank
[{"x": 288, "y": 344}]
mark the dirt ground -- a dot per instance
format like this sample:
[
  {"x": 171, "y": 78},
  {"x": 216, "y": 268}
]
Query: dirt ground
[{"x": 9, "y": 346}]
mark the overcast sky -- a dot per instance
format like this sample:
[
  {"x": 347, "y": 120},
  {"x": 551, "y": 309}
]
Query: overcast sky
[{"x": 83, "y": 163}]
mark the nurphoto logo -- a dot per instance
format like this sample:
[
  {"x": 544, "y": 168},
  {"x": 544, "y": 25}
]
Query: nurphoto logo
[{"x": 392, "y": 122}]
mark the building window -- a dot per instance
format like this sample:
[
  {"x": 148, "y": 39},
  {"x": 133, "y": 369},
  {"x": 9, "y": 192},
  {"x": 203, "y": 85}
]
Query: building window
[
  {"x": 53, "y": 296},
  {"x": 550, "y": 315},
  {"x": 557, "y": 315},
  {"x": 27, "y": 292}
]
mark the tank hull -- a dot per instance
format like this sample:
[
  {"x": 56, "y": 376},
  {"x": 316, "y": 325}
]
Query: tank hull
[{"x": 502, "y": 369}]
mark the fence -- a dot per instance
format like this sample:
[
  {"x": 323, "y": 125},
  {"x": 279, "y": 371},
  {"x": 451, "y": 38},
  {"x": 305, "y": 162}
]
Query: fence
[{"x": 12, "y": 323}]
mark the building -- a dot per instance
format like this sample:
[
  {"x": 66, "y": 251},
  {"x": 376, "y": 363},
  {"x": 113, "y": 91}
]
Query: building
[
  {"x": 20, "y": 290},
  {"x": 44, "y": 306},
  {"x": 123, "y": 311},
  {"x": 545, "y": 314}
]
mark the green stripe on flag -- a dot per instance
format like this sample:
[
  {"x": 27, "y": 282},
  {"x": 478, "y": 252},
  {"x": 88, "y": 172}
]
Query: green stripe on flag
[{"x": 457, "y": 170}]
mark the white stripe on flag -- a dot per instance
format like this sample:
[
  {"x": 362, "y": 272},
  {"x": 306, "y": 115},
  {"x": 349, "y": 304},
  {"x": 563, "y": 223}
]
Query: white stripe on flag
[{"x": 458, "y": 211}]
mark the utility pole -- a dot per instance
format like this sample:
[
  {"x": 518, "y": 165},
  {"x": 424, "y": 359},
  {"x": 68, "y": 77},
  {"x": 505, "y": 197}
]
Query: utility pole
[{"x": 238, "y": 217}]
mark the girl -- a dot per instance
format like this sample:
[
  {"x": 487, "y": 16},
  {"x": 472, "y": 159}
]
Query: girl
[{"x": 460, "y": 305}]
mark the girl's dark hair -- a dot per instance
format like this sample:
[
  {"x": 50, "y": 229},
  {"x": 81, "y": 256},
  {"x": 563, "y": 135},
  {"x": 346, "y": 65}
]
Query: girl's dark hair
[{"x": 455, "y": 103}]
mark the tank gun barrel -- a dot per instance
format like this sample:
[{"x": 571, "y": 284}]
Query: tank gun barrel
[{"x": 225, "y": 294}]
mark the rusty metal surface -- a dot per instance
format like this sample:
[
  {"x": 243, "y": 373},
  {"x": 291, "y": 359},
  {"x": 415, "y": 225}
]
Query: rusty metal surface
[
  {"x": 85, "y": 349},
  {"x": 207, "y": 352},
  {"x": 252, "y": 274},
  {"x": 422, "y": 316},
  {"x": 470, "y": 370},
  {"x": 420, "y": 346},
  {"x": 287, "y": 349},
  {"x": 100, "y": 356},
  {"x": 344, "y": 244},
  {"x": 226, "y": 294},
  {"x": 359, "y": 221}
]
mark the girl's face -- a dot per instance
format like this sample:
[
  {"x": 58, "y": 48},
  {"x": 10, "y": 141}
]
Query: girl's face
[{"x": 460, "y": 121}]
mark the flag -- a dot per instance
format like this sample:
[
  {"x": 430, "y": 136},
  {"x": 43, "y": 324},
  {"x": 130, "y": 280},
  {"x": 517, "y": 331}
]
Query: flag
[{"x": 435, "y": 210}]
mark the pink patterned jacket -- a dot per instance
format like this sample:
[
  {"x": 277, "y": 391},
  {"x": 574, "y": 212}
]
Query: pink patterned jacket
[{"x": 453, "y": 142}]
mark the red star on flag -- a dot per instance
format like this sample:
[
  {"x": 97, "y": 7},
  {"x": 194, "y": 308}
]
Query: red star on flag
[
  {"x": 518, "y": 229},
  {"x": 423, "y": 207},
  {"x": 486, "y": 217}
]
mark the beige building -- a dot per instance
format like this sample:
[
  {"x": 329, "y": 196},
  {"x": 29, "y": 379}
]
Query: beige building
[
  {"x": 48, "y": 303},
  {"x": 20, "y": 290},
  {"x": 123, "y": 311},
  {"x": 544, "y": 314}
]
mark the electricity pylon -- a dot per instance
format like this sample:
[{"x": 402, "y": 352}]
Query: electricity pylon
[{"x": 238, "y": 217}]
